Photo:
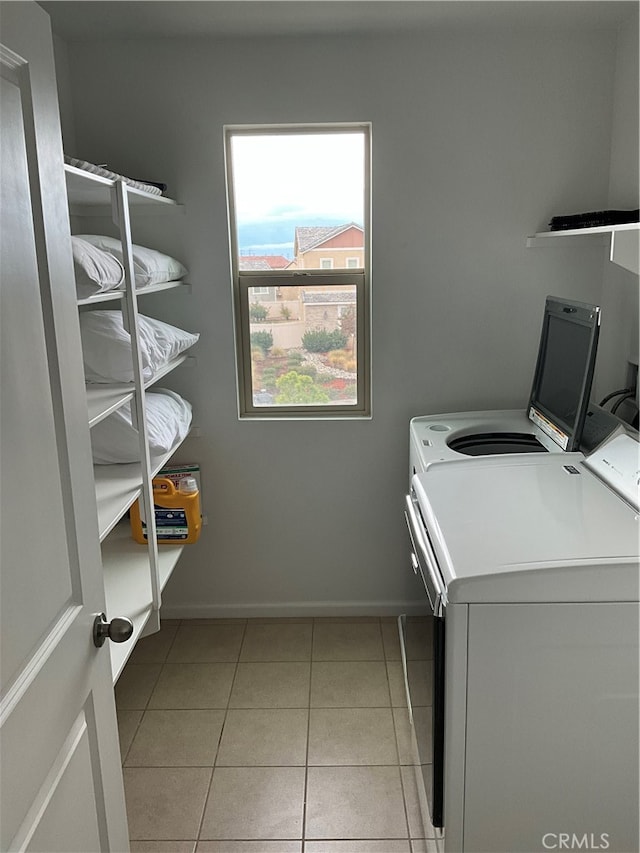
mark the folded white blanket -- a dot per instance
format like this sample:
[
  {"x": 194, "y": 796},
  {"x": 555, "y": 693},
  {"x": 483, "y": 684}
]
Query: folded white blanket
[{"x": 107, "y": 173}]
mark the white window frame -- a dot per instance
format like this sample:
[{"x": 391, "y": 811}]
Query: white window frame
[
  {"x": 326, "y": 263},
  {"x": 353, "y": 263},
  {"x": 243, "y": 280}
]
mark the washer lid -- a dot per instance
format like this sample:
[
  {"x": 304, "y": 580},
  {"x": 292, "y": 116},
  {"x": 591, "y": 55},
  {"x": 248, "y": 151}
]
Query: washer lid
[{"x": 545, "y": 527}]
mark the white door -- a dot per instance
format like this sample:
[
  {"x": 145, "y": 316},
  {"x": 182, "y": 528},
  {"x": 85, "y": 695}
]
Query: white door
[{"x": 61, "y": 781}]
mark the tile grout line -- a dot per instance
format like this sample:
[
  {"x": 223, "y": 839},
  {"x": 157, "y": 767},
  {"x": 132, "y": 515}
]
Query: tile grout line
[
  {"x": 224, "y": 720},
  {"x": 398, "y": 757},
  {"x": 258, "y": 766},
  {"x": 123, "y": 758},
  {"x": 146, "y": 707},
  {"x": 395, "y": 735},
  {"x": 396, "y": 738},
  {"x": 306, "y": 757}
]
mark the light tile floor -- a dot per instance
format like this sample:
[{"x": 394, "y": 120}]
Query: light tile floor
[{"x": 270, "y": 736}]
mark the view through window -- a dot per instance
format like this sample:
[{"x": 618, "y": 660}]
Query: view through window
[{"x": 299, "y": 232}]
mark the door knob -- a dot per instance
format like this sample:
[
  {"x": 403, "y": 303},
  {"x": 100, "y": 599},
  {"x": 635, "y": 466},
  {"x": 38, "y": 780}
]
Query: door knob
[{"x": 118, "y": 630}]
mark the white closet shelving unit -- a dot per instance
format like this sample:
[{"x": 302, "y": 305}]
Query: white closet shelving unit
[
  {"x": 623, "y": 241},
  {"x": 134, "y": 574}
]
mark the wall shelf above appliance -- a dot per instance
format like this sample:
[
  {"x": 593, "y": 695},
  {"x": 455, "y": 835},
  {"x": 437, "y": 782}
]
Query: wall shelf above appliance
[{"x": 623, "y": 241}]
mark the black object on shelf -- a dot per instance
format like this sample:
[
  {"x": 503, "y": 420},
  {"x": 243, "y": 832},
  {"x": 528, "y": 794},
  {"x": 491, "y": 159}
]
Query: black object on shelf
[
  {"x": 160, "y": 186},
  {"x": 594, "y": 219}
]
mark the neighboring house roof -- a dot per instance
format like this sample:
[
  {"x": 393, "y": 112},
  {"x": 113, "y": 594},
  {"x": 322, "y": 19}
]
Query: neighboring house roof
[
  {"x": 311, "y": 236},
  {"x": 263, "y": 262},
  {"x": 253, "y": 264},
  {"x": 324, "y": 297}
]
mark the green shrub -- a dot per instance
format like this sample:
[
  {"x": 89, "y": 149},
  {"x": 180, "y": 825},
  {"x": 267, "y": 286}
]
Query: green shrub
[
  {"x": 257, "y": 312},
  {"x": 264, "y": 340},
  {"x": 269, "y": 376},
  {"x": 307, "y": 370},
  {"x": 321, "y": 340},
  {"x": 295, "y": 388}
]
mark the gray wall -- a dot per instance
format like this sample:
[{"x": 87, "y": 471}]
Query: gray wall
[
  {"x": 619, "y": 301},
  {"x": 478, "y": 139}
]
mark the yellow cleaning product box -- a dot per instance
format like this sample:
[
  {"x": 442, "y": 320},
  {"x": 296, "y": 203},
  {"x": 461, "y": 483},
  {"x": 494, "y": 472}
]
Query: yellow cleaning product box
[
  {"x": 177, "y": 511},
  {"x": 175, "y": 473}
]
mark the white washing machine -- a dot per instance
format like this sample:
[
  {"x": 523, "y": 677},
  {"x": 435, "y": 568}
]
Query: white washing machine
[
  {"x": 557, "y": 414},
  {"x": 438, "y": 438},
  {"x": 531, "y": 568},
  {"x": 464, "y": 435}
]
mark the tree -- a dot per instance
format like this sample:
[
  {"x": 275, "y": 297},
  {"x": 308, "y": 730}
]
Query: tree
[{"x": 257, "y": 312}]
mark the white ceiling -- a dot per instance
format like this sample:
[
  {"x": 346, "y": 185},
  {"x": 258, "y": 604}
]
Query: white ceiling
[{"x": 85, "y": 19}]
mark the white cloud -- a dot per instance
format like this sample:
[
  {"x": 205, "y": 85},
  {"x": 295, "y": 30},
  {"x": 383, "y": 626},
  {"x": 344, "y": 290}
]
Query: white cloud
[{"x": 302, "y": 176}]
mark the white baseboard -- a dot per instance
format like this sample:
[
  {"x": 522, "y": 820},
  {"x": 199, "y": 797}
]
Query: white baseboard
[{"x": 294, "y": 609}]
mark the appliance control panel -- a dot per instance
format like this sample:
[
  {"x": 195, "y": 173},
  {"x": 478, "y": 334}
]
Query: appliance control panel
[{"x": 617, "y": 463}]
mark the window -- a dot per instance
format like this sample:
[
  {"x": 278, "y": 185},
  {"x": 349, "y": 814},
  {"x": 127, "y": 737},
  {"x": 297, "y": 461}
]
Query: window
[{"x": 299, "y": 209}]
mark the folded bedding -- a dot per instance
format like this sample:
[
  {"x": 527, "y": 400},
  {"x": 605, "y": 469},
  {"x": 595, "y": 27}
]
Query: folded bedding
[
  {"x": 116, "y": 440},
  {"x": 106, "y": 346},
  {"x": 149, "y": 187},
  {"x": 149, "y": 265},
  {"x": 95, "y": 271}
]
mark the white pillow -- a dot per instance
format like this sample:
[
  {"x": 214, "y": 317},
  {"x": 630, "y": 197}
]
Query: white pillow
[
  {"x": 106, "y": 346},
  {"x": 95, "y": 270},
  {"x": 149, "y": 265},
  {"x": 115, "y": 440}
]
